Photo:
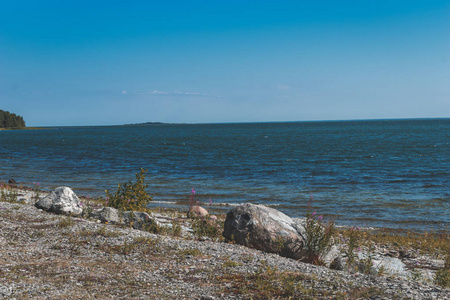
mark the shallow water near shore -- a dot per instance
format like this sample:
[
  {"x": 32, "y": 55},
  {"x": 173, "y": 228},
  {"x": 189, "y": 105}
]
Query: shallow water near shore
[{"x": 387, "y": 173}]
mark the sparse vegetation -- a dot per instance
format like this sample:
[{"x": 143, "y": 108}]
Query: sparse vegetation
[
  {"x": 66, "y": 222},
  {"x": 319, "y": 237},
  {"x": 190, "y": 252},
  {"x": 270, "y": 283},
  {"x": 429, "y": 243},
  {"x": 8, "y": 193},
  {"x": 205, "y": 227},
  {"x": 352, "y": 245},
  {"x": 231, "y": 264},
  {"x": 36, "y": 190},
  {"x": 129, "y": 195},
  {"x": 442, "y": 276}
]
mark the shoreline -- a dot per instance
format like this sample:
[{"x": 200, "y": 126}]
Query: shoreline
[
  {"x": 224, "y": 207},
  {"x": 23, "y": 128},
  {"x": 183, "y": 265}
]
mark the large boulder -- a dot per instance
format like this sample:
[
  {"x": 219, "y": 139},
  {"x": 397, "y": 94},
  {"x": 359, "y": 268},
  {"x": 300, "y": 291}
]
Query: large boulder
[
  {"x": 61, "y": 201},
  {"x": 106, "y": 215},
  {"x": 265, "y": 229},
  {"x": 140, "y": 220}
]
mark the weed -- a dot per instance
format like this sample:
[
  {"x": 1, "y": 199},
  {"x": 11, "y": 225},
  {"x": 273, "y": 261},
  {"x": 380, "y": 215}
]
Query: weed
[
  {"x": 125, "y": 249},
  {"x": 416, "y": 275},
  {"x": 8, "y": 193},
  {"x": 431, "y": 243},
  {"x": 442, "y": 276},
  {"x": 353, "y": 244},
  {"x": 319, "y": 237},
  {"x": 192, "y": 198},
  {"x": 231, "y": 264},
  {"x": 175, "y": 229},
  {"x": 36, "y": 190},
  {"x": 152, "y": 227},
  {"x": 191, "y": 252},
  {"x": 382, "y": 271},
  {"x": 130, "y": 196},
  {"x": 143, "y": 245},
  {"x": 268, "y": 283},
  {"x": 203, "y": 227},
  {"x": 66, "y": 222},
  {"x": 367, "y": 263},
  {"x": 366, "y": 292}
]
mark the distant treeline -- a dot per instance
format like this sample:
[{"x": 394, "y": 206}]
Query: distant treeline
[{"x": 8, "y": 119}]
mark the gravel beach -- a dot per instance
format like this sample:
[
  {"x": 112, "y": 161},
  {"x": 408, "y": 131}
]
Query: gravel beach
[{"x": 47, "y": 256}]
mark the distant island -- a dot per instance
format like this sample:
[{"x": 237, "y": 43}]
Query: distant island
[
  {"x": 10, "y": 120},
  {"x": 148, "y": 123},
  {"x": 152, "y": 123}
]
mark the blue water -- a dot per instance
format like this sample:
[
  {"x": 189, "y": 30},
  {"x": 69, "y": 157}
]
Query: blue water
[{"x": 389, "y": 173}]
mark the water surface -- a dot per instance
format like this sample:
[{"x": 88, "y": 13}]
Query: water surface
[{"x": 389, "y": 173}]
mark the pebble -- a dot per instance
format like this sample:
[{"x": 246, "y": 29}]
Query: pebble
[{"x": 63, "y": 252}]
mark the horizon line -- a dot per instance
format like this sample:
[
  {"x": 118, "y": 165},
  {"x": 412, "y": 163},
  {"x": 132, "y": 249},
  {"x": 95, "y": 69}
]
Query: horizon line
[{"x": 248, "y": 122}]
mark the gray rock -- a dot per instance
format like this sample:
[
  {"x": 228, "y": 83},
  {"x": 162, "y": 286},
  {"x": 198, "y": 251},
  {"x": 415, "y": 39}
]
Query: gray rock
[
  {"x": 106, "y": 215},
  {"x": 61, "y": 201},
  {"x": 266, "y": 229},
  {"x": 337, "y": 263},
  {"x": 333, "y": 259},
  {"x": 139, "y": 220},
  {"x": 5, "y": 291}
]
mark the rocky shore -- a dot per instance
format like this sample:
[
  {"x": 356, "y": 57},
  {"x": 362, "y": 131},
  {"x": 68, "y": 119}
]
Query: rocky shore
[{"x": 48, "y": 256}]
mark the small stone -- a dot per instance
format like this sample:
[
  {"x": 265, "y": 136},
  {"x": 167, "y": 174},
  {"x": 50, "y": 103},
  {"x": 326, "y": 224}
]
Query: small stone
[
  {"x": 139, "y": 220},
  {"x": 106, "y": 215},
  {"x": 197, "y": 212}
]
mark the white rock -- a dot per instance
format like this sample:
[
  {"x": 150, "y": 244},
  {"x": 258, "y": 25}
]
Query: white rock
[{"x": 61, "y": 201}]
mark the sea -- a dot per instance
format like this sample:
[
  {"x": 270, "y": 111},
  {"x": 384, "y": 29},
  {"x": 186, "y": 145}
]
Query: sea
[{"x": 369, "y": 173}]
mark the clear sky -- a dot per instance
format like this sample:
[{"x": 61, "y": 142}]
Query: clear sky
[{"x": 114, "y": 62}]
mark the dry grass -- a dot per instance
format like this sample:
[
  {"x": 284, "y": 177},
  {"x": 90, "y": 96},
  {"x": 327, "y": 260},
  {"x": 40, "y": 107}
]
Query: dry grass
[{"x": 434, "y": 244}]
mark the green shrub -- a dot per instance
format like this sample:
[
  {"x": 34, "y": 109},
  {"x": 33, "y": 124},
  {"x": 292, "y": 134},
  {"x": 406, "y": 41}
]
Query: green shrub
[
  {"x": 130, "y": 196},
  {"x": 319, "y": 237}
]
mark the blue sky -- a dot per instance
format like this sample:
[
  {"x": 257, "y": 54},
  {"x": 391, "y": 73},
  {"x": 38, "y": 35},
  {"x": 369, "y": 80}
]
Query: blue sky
[{"x": 115, "y": 62}]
